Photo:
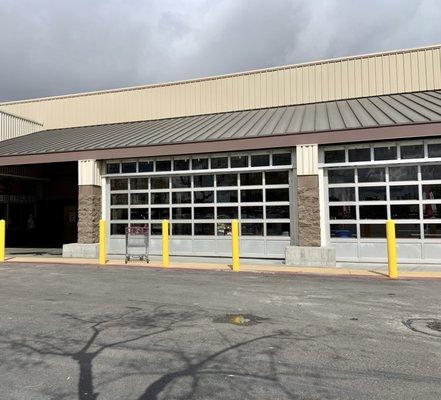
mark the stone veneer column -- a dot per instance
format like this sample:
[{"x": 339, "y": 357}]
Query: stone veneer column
[
  {"x": 89, "y": 201},
  {"x": 308, "y": 209},
  {"x": 308, "y": 196},
  {"x": 89, "y": 213}
]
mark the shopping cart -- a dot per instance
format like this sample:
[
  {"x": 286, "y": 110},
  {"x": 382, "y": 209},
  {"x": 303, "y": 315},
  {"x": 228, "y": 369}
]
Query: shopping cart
[{"x": 137, "y": 243}]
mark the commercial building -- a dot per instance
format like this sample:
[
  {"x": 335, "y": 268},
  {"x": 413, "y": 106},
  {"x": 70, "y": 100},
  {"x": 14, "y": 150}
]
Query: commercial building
[{"x": 313, "y": 158}]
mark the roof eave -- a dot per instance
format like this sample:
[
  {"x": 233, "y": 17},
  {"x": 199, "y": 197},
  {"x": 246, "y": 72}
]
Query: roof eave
[{"x": 396, "y": 132}]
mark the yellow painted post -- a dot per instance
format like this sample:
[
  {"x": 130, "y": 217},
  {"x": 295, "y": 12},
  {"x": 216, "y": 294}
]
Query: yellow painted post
[
  {"x": 102, "y": 243},
  {"x": 235, "y": 244},
  {"x": 165, "y": 248},
  {"x": 2, "y": 239},
  {"x": 391, "y": 249}
]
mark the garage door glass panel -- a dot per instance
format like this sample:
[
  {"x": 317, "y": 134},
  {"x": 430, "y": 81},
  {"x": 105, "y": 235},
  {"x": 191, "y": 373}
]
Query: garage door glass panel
[
  {"x": 432, "y": 231},
  {"x": 278, "y": 229},
  {"x": 432, "y": 211},
  {"x": 139, "y": 183},
  {"x": 226, "y": 180},
  {"x": 342, "y": 194},
  {"x": 203, "y": 181},
  {"x": 373, "y": 212},
  {"x": 405, "y": 211},
  {"x": 343, "y": 231},
  {"x": 342, "y": 212},
  {"x": 252, "y": 212},
  {"x": 409, "y": 231},
  {"x": 341, "y": 176},
  {"x": 431, "y": 192},
  {"x": 251, "y": 229},
  {"x": 431, "y": 172},
  {"x": 405, "y": 192},
  {"x": 119, "y": 199},
  {"x": 371, "y": 193},
  {"x": 277, "y": 178},
  {"x": 371, "y": 174},
  {"x": 118, "y": 184},
  {"x": 239, "y": 161},
  {"x": 409, "y": 152},
  {"x": 226, "y": 196},
  {"x": 139, "y": 198},
  {"x": 119, "y": 213},
  {"x": 181, "y": 182},
  {"x": 373, "y": 231},
  {"x": 254, "y": 178},
  {"x": 403, "y": 173},
  {"x": 160, "y": 198},
  {"x": 160, "y": 213},
  {"x": 204, "y": 213},
  {"x": 204, "y": 197},
  {"x": 139, "y": 213},
  {"x": 273, "y": 195},
  {"x": 159, "y": 183}
]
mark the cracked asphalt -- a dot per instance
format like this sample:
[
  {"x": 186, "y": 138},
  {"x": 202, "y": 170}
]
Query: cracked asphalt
[{"x": 81, "y": 332}]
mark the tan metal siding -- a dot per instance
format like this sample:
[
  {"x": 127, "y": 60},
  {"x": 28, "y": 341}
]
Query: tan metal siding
[
  {"x": 307, "y": 159},
  {"x": 370, "y": 75},
  {"x": 12, "y": 126}
]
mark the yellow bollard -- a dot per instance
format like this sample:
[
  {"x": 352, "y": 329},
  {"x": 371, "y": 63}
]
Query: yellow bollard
[
  {"x": 165, "y": 248},
  {"x": 235, "y": 244},
  {"x": 102, "y": 243},
  {"x": 391, "y": 249},
  {"x": 2, "y": 239}
]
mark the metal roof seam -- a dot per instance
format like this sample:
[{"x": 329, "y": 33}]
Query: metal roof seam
[
  {"x": 400, "y": 100},
  {"x": 248, "y": 115},
  {"x": 223, "y": 127},
  {"x": 366, "y": 111},
  {"x": 422, "y": 102},
  {"x": 380, "y": 112},
  {"x": 386, "y": 99},
  {"x": 256, "y": 117},
  {"x": 190, "y": 129},
  {"x": 429, "y": 96},
  {"x": 146, "y": 133},
  {"x": 327, "y": 115}
]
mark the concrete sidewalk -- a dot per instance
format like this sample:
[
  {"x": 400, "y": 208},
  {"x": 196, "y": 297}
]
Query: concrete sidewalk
[{"x": 378, "y": 272}]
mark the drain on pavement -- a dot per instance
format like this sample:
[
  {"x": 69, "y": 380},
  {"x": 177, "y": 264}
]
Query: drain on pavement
[
  {"x": 428, "y": 326},
  {"x": 239, "y": 319}
]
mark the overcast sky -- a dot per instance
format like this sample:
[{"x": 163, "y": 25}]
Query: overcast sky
[{"x": 54, "y": 47}]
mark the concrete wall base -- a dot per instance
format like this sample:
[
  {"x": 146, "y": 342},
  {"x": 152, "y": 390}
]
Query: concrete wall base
[
  {"x": 80, "y": 250},
  {"x": 300, "y": 256}
]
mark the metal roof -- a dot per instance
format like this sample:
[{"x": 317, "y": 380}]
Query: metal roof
[{"x": 368, "y": 112}]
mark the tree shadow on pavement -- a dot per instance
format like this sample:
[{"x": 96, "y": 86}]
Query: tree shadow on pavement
[
  {"x": 94, "y": 340},
  {"x": 227, "y": 365}
]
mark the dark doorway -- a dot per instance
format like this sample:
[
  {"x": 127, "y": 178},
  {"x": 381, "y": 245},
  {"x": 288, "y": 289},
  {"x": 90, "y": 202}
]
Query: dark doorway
[{"x": 40, "y": 204}]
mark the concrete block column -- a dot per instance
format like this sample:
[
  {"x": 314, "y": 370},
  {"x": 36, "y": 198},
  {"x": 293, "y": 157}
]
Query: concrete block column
[
  {"x": 89, "y": 201},
  {"x": 308, "y": 196}
]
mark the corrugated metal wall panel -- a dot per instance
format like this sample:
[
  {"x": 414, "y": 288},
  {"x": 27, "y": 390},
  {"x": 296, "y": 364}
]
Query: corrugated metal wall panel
[
  {"x": 307, "y": 159},
  {"x": 12, "y": 126},
  {"x": 371, "y": 75}
]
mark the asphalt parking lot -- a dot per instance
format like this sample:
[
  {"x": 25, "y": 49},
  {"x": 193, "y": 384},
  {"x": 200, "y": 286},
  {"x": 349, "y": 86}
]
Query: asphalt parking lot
[{"x": 80, "y": 332}]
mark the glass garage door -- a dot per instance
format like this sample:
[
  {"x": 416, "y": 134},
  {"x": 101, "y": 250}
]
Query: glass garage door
[
  {"x": 200, "y": 204},
  {"x": 361, "y": 198}
]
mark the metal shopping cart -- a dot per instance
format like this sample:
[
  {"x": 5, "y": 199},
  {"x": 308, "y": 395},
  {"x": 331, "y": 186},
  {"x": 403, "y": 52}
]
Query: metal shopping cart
[{"x": 137, "y": 243}]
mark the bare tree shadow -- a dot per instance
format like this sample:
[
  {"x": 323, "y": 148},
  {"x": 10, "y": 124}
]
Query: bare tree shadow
[
  {"x": 158, "y": 322},
  {"x": 188, "y": 368}
]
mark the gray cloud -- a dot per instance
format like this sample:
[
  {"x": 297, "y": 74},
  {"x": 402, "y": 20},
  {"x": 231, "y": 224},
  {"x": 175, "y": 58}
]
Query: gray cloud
[{"x": 51, "y": 47}]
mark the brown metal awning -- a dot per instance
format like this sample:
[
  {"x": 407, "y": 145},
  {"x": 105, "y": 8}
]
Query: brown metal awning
[{"x": 390, "y": 117}]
